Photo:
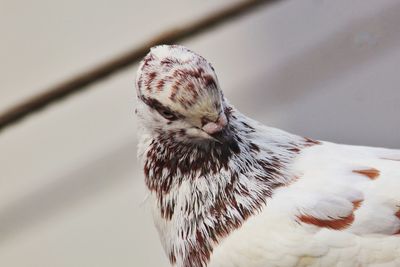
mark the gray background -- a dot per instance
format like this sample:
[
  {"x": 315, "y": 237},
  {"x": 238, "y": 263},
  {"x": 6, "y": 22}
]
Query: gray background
[{"x": 71, "y": 191}]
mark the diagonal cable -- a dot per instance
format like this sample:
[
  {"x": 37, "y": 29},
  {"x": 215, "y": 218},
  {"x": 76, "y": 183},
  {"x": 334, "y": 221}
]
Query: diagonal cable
[{"x": 81, "y": 81}]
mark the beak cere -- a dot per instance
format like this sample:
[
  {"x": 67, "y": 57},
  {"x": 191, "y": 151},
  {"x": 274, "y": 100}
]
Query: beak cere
[
  {"x": 221, "y": 133},
  {"x": 212, "y": 128}
]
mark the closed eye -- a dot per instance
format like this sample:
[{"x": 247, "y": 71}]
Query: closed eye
[
  {"x": 167, "y": 114},
  {"x": 161, "y": 109}
]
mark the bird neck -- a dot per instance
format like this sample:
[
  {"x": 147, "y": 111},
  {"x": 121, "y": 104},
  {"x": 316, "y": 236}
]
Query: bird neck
[{"x": 202, "y": 193}]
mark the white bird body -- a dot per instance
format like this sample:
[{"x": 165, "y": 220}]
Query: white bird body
[
  {"x": 327, "y": 189},
  {"x": 228, "y": 191}
]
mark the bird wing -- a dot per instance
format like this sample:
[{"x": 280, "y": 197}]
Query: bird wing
[
  {"x": 346, "y": 200},
  {"x": 341, "y": 209},
  {"x": 350, "y": 188}
]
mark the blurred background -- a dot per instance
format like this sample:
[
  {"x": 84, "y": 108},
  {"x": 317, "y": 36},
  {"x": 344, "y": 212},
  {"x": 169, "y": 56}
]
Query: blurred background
[{"x": 71, "y": 190}]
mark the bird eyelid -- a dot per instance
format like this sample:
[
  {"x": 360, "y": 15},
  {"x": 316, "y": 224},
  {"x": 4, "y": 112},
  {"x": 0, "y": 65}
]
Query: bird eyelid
[
  {"x": 166, "y": 113},
  {"x": 161, "y": 109}
]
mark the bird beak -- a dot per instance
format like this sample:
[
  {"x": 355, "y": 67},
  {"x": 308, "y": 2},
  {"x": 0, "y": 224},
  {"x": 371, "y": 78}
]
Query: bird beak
[
  {"x": 212, "y": 128},
  {"x": 219, "y": 131}
]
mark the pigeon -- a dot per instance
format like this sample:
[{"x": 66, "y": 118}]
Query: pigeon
[{"x": 228, "y": 191}]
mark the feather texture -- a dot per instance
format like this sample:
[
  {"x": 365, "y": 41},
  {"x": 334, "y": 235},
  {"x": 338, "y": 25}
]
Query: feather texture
[
  {"x": 252, "y": 195},
  {"x": 315, "y": 221}
]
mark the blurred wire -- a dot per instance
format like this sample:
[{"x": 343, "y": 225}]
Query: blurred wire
[{"x": 81, "y": 81}]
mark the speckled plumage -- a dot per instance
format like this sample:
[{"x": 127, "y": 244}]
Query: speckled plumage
[{"x": 228, "y": 191}]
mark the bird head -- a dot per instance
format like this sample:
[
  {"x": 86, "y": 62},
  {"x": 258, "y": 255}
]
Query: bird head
[{"x": 178, "y": 92}]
